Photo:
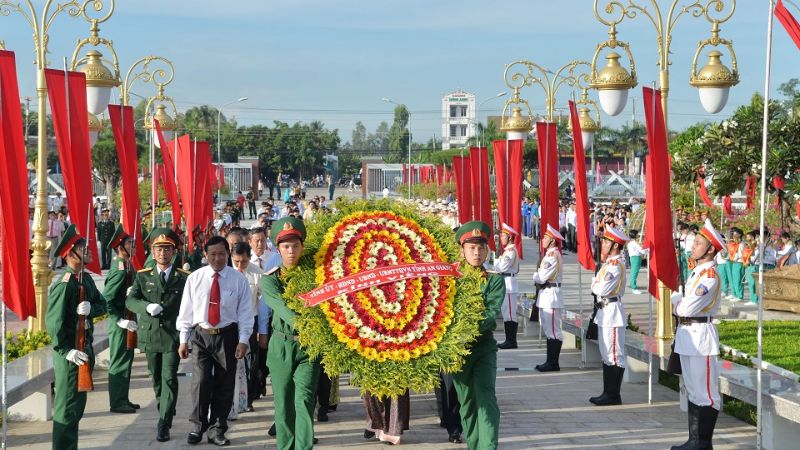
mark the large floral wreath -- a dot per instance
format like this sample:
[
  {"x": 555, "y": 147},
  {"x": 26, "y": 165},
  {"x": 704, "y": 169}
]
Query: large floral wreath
[{"x": 395, "y": 336}]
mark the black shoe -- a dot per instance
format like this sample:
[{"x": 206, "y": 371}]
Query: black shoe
[
  {"x": 553, "y": 351},
  {"x": 124, "y": 409},
  {"x": 162, "y": 433},
  {"x": 606, "y": 381},
  {"x": 332, "y": 408},
  {"x": 369, "y": 434},
  {"x": 611, "y": 395},
  {"x": 249, "y": 408},
  {"x": 456, "y": 438},
  {"x": 315, "y": 441},
  {"x": 271, "y": 431},
  {"x": 219, "y": 440},
  {"x": 134, "y": 405},
  {"x": 707, "y": 418},
  {"x": 194, "y": 437},
  {"x": 511, "y": 336},
  {"x": 694, "y": 429},
  {"x": 322, "y": 414}
]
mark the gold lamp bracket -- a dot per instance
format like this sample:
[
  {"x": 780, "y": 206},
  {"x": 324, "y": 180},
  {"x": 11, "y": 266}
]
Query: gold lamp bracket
[
  {"x": 613, "y": 75},
  {"x": 714, "y": 73}
]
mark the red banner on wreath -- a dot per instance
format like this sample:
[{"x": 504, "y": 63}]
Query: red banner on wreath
[{"x": 377, "y": 277}]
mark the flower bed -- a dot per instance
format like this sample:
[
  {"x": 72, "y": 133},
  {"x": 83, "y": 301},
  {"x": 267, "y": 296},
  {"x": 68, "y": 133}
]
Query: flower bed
[{"x": 398, "y": 335}]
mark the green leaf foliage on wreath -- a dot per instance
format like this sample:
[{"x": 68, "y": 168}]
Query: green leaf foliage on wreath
[{"x": 389, "y": 378}]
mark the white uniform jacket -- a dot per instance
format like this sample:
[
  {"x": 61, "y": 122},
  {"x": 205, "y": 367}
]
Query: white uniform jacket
[
  {"x": 508, "y": 264},
  {"x": 549, "y": 271},
  {"x": 701, "y": 300},
  {"x": 609, "y": 283}
]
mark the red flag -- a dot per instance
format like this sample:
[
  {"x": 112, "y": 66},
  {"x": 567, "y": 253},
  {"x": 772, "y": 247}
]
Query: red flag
[
  {"x": 184, "y": 156},
  {"x": 788, "y": 21},
  {"x": 750, "y": 191},
  {"x": 481, "y": 195},
  {"x": 727, "y": 206},
  {"x": 439, "y": 174},
  {"x": 170, "y": 184},
  {"x": 508, "y": 176},
  {"x": 658, "y": 227},
  {"x": 18, "y": 294},
  {"x": 548, "y": 173},
  {"x": 463, "y": 173},
  {"x": 585, "y": 257},
  {"x": 704, "y": 192},
  {"x": 71, "y": 124},
  {"x": 125, "y": 138},
  {"x": 154, "y": 178},
  {"x": 202, "y": 185}
]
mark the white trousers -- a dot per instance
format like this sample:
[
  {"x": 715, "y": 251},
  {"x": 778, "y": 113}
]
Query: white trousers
[
  {"x": 550, "y": 321},
  {"x": 701, "y": 379},
  {"x": 509, "y": 308},
  {"x": 612, "y": 345}
]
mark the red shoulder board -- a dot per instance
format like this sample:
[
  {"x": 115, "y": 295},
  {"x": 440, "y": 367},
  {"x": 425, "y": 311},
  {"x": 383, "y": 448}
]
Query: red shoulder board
[{"x": 710, "y": 273}]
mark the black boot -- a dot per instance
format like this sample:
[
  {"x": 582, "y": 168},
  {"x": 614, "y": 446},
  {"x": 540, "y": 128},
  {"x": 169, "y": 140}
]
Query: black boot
[
  {"x": 606, "y": 379},
  {"x": 611, "y": 395},
  {"x": 694, "y": 429},
  {"x": 534, "y": 314},
  {"x": 708, "y": 420},
  {"x": 553, "y": 351},
  {"x": 511, "y": 336}
]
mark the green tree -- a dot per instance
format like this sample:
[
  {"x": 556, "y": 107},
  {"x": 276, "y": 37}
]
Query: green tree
[{"x": 399, "y": 134}]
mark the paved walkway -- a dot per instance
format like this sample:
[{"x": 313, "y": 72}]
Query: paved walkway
[{"x": 549, "y": 411}]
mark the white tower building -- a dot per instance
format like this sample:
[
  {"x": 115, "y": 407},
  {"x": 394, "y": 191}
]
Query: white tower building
[{"x": 458, "y": 119}]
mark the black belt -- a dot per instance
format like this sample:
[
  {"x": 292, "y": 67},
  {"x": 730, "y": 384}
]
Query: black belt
[
  {"x": 508, "y": 274},
  {"x": 284, "y": 336},
  {"x": 549, "y": 285},
  {"x": 691, "y": 320},
  {"x": 604, "y": 301},
  {"x": 216, "y": 331}
]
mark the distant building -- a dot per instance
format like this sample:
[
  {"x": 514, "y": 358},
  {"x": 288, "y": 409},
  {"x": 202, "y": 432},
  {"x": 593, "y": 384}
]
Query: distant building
[{"x": 458, "y": 119}]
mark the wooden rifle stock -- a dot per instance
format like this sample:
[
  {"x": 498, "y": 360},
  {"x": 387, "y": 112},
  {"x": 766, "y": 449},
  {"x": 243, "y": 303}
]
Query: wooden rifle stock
[{"x": 85, "y": 383}]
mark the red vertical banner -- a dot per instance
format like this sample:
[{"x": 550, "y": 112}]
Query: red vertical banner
[
  {"x": 202, "y": 185},
  {"x": 155, "y": 176},
  {"x": 67, "y": 95},
  {"x": 585, "y": 257},
  {"x": 750, "y": 191},
  {"x": 462, "y": 167},
  {"x": 727, "y": 205},
  {"x": 658, "y": 232},
  {"x": 704, "y": 192},
  {"x": 439, "y": 174},
  {"x": 18, "y": 294},
  {"x": 481, "y": 194},
  {"x": 122, "y": 125},
  {"x": 508, "y": 176},
  {"x": 788, "y": 21},
  {"x": 184, "y": 154},
  {"x": 170, "y": 184},
  {"x": 548, "y": 173}
]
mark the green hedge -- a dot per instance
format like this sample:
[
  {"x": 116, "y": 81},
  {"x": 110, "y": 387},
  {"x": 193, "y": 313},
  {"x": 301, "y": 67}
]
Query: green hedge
[{"x": 24, "y": 342}]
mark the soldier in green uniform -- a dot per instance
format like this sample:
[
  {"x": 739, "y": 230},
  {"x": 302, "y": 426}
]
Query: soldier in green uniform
[
  {"x": 475, "y": 384},
  {"x": 105, "y": 231},
  {"x": 121, "y": 322},
  {"x": 156, "y": 298},
  {"x": 64, "y": 306},
  {"x": 294, "y": 375}
]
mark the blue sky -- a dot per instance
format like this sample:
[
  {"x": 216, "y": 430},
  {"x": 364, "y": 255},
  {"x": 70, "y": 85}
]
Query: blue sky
[{"x": 333, "y": 61}]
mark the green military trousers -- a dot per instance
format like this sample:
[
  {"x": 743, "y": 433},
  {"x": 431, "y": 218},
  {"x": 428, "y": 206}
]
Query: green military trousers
[
  {"x": 294, "y": 385},
  {"x": 475, "y": 386},
  {"x": 119, "y": 366},
  {"x": 68, "y": 403},
  {"x": 163, "y": 368}
]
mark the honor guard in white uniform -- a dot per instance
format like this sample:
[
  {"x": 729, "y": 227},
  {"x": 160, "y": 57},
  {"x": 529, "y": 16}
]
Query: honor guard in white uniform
[
  {"x": 548, "y": 282},
  {"x": 609, "y": 286},
  {"x": 507, "y": 265},
  {"x": 697, "y": 341}
]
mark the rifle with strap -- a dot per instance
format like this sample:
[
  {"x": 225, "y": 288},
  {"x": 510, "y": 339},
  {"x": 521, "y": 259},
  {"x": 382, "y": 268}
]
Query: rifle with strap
[
  {"x": 131, "y": 338},
  {"x": 85, "y": 383}
]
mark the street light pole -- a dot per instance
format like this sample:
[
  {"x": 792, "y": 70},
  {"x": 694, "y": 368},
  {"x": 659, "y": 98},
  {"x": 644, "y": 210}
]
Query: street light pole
[
  {"x": 477, "y": 117},
  {"x": 219, "y": 135}
]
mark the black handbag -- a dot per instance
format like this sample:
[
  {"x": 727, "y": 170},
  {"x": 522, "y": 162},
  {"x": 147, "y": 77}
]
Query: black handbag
[{"x": 591, "y": 330}]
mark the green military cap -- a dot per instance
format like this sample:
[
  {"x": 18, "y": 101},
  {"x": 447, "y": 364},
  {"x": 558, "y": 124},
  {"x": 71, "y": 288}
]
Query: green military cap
[
  {"x": 287, "y": 228},
  {"x": 475, "y": 231},
  {"x": 163, "y": 237},
  {"x": 70, "y": 238},
  {"x": 118, "y": 237}
]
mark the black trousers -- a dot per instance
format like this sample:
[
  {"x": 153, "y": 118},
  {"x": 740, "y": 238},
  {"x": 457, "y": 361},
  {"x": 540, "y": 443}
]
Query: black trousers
[
  {"x": 448, "y": 404},
  {"x": 252, "y": 210},
  {"x": 213, "y": 378},
  {"x": 105, "y": 256},
  {"x": 254, "y": 364},
  {"x": 324, "y": 390}
]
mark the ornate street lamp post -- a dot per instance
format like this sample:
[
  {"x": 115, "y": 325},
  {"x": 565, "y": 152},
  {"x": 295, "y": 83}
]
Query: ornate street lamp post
[{"x": 713, "y": 81}]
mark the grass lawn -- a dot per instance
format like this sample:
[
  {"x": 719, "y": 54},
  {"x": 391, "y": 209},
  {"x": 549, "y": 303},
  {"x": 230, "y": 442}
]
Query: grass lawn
[{"x": 781, "y": 340}]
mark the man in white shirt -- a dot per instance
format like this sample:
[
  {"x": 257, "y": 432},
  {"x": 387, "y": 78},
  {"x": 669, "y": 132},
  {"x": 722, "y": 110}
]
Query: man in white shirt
[
  {"x": 262, "y": 253},
  {"x": 217, "y": 314},
  {"x": 55, "y": 228}
]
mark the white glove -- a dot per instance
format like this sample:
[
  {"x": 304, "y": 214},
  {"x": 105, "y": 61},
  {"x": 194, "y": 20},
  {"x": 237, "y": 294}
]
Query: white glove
[
  {"x": 129, "y": 325},
  {"x": 128, "y": 292},
  {"x": 84, "y": 308},
  {"x": 77, "y": 357},
  {"x": 154, "y": 309},
  {"x": 675, "y": 297}
]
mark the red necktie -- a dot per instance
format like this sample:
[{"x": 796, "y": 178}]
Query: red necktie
[{"x": 213, "y": 302}]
